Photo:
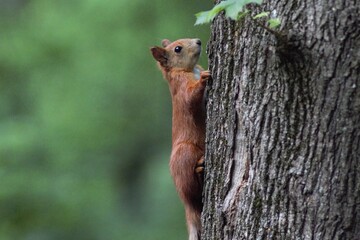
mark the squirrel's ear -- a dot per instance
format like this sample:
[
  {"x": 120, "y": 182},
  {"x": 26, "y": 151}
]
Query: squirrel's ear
[
  {"x": 160, "y": 55},
  {"x": 165, "y": 42}
]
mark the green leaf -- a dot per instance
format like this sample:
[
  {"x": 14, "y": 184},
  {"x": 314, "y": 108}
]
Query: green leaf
[
  {"x": 208, "y": 16},
  {"x": 262, "y": 14},
  {"x": 234, "y": 9},
  {"x": 243, "y": 14},
  {"x": 223, "y": 5},
  {"x": 274, "y": 22},
  {"x": 203, "y": 17},
  {"x": 254, "y": 1}
]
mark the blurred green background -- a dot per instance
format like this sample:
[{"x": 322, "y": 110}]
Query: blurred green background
[{"x": 85, "y": 119}]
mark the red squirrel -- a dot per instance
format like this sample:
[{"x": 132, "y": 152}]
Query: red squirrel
[{"x": 187, "y": 81}]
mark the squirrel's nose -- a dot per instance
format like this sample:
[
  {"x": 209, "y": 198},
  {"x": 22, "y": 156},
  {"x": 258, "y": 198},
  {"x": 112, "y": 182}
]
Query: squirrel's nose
[{"x": 198, "y": 42}]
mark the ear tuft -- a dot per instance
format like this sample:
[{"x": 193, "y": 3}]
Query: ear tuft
[{"x": 165, "y": 42}]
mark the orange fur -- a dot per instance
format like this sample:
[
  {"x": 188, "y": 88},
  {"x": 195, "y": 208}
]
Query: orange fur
[{"x": 188, "y": 122}]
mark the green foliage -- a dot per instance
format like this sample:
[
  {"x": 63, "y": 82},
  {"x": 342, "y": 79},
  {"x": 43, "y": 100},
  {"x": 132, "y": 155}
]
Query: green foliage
[
  {"x": 261, "y": 15},
  {"x": 85, "y": 120},
  {"x": 233, "y": 10},
  {"x": 274, "y": 22}
]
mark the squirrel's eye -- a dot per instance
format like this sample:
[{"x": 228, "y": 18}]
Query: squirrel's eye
[{"x": 178, "y": 49}]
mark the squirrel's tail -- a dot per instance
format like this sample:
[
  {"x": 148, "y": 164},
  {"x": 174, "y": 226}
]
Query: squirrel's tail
[{"x": 193, "y": 223}]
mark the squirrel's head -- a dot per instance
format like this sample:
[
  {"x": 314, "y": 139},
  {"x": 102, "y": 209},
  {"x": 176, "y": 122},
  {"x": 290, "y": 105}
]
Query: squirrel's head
[{"x": 183, "y": 53}]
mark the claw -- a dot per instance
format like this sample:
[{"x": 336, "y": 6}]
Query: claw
[
  {"x": 199, "y": 168},
  {"x": 200, "y": 162}
]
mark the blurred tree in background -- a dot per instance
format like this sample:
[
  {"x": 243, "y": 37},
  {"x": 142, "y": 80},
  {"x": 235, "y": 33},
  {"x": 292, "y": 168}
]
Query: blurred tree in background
[{"x": 85, "y": 119}]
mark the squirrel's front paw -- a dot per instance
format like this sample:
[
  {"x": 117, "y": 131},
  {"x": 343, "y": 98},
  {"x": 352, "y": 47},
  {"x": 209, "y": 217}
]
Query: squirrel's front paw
[
  {"x": 199, "y": 168},
  {"x": 205, "y": 75}
]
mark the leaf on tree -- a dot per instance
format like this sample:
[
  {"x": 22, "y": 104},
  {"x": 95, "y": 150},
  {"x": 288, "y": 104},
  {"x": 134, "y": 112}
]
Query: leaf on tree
[
  {"x": 274, "y": 22},
  {"x": 234, "y": 9}
]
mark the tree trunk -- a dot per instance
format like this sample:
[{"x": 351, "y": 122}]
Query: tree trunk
[{"x": 283, "y": 125}]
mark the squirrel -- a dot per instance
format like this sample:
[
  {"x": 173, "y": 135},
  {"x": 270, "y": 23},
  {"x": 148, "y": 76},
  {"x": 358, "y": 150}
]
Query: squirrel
[{"x": 187, "y": 81}]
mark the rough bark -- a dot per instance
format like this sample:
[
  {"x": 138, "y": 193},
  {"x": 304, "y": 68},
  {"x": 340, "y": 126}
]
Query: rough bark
[{"x": 283, "y": 125}]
